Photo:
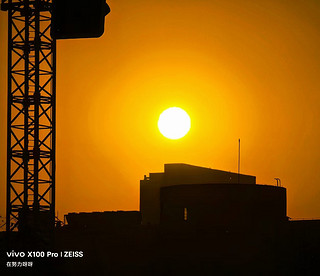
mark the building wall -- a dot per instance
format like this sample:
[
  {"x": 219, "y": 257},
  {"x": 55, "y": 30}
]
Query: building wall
[
  {"x": 150, "y": 198},
  {"x": 237, "y": 207},
  {"x": 102, "y": 221},
  {"x": 180, "y": 174}
]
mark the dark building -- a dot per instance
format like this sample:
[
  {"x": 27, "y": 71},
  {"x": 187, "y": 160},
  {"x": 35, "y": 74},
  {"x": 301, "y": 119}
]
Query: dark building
[
  {"x": 207, "y": 198},
  {"x": 232, "y": 207},
  {"x": 103, "y": 220},
  {"x": 152, "y": 188},
  {"x": 192, "y": 221},
  {"x": 226, "y": 224}
]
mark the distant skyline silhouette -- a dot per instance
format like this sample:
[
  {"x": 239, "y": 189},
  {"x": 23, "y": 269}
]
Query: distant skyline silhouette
[{"x": 192, "y": 221}]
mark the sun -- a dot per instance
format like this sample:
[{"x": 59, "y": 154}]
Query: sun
[{"x": 174, "y": 123}]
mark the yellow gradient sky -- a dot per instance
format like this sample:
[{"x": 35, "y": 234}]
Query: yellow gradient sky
[{"x": 241, "y": 69}]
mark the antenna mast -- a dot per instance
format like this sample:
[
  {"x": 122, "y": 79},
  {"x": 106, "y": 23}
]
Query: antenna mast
[{"x": 239, "y": 162}]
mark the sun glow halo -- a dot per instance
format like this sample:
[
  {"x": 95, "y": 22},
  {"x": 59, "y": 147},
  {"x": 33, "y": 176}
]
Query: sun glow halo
[{"x": 174, "y": 123}]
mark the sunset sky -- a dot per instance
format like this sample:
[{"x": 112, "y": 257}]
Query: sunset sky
[{"x": 241, "y": 69}]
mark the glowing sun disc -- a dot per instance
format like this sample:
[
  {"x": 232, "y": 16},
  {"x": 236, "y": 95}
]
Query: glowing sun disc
[{"x": 174, "y": 123}]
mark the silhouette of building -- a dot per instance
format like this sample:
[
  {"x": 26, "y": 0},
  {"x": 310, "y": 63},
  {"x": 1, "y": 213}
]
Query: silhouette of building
[
  {"x": 192, "y": 221},
  {"x": 211, "y": 198},
  {"x": 232, "y": 207},
  {"x": 103, "y": 220}
]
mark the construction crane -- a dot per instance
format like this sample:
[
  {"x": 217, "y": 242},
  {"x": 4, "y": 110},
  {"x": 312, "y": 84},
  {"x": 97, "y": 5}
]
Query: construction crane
[{"x": 33, "y": 27}]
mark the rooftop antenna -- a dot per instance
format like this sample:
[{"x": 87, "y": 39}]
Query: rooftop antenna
[
  {"x": 239, "y": 163},
  {"x": 278, "y": 181}
]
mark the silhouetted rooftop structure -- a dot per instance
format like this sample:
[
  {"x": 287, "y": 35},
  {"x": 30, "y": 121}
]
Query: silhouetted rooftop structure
[{"x": 183, "y": 174}]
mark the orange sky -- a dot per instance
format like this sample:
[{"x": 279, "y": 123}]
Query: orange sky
[{"x": 241, "y": 69}]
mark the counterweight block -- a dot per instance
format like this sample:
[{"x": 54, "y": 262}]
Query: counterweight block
[{"x": 78, "y": 18}]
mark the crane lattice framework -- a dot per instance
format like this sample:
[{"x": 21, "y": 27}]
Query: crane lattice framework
[{"x": 31, "y": 110}]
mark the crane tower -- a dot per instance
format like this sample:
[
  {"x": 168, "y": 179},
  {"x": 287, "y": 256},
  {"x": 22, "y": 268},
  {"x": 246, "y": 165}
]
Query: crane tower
[
  {"x": 31, "y": 117},
  {"x": 33, "y": 27}
]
